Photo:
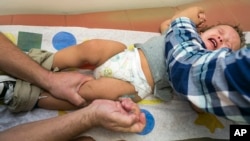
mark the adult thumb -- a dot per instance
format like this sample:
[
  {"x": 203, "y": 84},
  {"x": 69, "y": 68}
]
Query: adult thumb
[{"x": 77, "y": 100}]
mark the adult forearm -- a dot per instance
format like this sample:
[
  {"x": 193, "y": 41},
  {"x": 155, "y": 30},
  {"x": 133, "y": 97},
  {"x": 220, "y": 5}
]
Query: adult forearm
[
  {"x": 12, "y": 59},
  {"x": 61, "y": 128}
]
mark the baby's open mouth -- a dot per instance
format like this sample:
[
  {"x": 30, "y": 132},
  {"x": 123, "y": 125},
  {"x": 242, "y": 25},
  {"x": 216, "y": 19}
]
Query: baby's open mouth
[{"x": 213, "y": 41}]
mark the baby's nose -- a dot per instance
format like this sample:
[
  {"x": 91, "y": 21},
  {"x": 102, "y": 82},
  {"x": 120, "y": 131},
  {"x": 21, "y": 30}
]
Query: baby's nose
[{"x": 220, "y": 39}]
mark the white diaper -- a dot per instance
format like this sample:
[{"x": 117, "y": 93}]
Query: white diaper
[{"x": 126, "y": 66}]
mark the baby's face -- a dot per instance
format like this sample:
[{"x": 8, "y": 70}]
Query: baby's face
[{"x": 221, "y": 36}]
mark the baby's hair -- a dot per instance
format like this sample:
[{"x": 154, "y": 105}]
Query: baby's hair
[{"x": 235, "y": 27}]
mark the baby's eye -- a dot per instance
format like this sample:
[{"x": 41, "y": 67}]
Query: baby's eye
[{"x": 220, "y": 30}]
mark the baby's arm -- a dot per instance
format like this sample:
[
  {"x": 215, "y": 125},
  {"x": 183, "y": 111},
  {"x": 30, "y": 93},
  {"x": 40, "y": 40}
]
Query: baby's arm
[
  {"x": 196, "y": 14},
  {"x": 165, "y": 25}
]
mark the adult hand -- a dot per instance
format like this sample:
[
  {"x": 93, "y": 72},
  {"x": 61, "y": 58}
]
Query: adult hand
[
  {"x": 65, "y": 85},
  {"x": 123, "y": 115}
]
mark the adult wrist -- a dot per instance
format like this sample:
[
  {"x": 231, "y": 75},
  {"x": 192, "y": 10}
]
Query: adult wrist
[
  {"x": 46, "y": 80},
  {"x": 88, "y": 117}
]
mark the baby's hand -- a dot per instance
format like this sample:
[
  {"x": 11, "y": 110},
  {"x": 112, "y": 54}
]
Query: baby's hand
[
  {"x": 196, "y": 14},
  {"x": 165, "y": 25}
]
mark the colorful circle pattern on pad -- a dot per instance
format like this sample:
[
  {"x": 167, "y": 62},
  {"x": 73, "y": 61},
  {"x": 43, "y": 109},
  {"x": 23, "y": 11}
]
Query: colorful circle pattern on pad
[
  {"x": 150, "y": 122},
  {"x": 63, "y": 39}
]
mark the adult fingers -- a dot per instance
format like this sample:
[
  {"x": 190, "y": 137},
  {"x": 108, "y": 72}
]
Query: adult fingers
[{"x": 77, "y": 100}]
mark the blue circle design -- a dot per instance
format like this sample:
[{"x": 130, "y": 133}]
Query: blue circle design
[
  {"x": 150, "y": 122},
  {"x": 63, "y": 39}
]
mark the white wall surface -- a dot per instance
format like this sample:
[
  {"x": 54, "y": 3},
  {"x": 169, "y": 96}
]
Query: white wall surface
[{"x": 79, "y": 6}]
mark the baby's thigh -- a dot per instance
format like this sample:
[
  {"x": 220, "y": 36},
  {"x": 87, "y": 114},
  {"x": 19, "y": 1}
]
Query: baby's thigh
[
  {"x": 97, "y": 51},
  {"x": 107, "y": 88}
]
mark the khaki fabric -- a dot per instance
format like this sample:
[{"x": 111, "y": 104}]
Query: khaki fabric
[
  {"x": 25, "y": 97},
  {"x": 26, "y": 94}
]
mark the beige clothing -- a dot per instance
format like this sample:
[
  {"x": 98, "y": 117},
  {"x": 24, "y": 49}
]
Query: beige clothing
[{"x": 26, "y": 94}]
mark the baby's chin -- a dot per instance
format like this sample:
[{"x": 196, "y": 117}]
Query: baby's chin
[{"x": 209, "y": 48}]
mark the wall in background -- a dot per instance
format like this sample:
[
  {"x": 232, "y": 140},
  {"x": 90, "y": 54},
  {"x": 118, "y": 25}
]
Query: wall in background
[{"x": 79, "y": 6}]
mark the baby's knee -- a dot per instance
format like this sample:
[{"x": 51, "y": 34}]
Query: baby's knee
[{"x": 93, "y": 43}]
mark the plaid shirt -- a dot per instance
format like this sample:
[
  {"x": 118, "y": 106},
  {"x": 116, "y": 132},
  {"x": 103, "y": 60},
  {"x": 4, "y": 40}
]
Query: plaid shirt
[{"x": 215, "y": 81}]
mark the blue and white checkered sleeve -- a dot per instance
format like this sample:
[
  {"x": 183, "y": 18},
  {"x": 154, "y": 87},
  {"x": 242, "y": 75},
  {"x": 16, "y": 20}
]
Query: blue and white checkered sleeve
[{"x": 204, "y": 77}]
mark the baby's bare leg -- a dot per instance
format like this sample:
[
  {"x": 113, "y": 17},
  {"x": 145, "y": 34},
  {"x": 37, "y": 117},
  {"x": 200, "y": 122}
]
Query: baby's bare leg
[
  {"x": 103, "y": 88},
  {"x": 49, "y": 102},
  {"x": 93, "y": 52},
  {"x": 108, "y": 88}
]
